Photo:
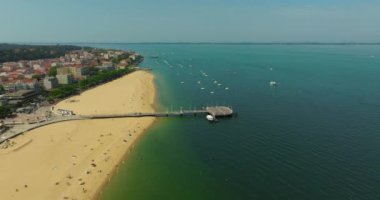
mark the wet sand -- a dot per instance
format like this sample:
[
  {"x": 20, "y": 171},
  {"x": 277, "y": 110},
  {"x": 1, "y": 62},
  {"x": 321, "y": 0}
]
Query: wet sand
[{"x": 73, "y": 160}]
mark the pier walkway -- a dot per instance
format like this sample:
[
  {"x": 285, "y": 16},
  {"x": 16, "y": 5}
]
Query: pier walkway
[{"x": 216, "y": 111}]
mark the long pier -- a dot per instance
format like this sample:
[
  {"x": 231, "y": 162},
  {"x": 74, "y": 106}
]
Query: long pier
[{"x": 217, "y": 111}]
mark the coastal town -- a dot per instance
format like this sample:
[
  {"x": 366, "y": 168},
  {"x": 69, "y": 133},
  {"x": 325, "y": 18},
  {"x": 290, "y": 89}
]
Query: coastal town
[
  {"x": 61, "y": 156},
  {"x": 29, "y": 88}
]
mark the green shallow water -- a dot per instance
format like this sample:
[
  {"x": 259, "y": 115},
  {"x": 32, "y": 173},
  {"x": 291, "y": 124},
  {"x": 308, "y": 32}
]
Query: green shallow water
[{"x": 316, "y": 136}]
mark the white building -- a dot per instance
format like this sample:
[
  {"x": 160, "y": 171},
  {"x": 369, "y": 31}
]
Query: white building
[
  {"x": 65, "y": 79},
  {"x": 50, "y": 83}
]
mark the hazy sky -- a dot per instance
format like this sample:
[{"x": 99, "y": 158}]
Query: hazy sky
[{"x": 189, "y": 20}]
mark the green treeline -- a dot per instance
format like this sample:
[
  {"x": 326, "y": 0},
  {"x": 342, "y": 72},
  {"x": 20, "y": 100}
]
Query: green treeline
[
  {"x": 15, "y": 52},
  {"x": 99, "y": 78}
]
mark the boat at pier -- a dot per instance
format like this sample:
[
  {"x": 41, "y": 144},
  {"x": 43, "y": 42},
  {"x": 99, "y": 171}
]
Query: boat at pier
[{"x": 210, "y": 118}]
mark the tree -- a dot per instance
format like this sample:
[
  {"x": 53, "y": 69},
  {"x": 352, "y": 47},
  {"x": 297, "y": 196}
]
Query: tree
[
  {"x": 53, "y": 71},
  {"x": 5, "y": 111},
  {"x": 38, "y": 76},
  {"x": 2, "y": 90}
]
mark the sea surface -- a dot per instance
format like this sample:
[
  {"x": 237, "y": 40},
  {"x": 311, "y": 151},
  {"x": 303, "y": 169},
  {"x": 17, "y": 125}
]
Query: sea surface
[{"x": 314, "y": 136}]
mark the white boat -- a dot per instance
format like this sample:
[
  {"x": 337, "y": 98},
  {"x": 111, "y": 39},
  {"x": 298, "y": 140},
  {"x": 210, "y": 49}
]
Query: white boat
[
  {"x": 273, "y": 83},
  {"x": 202, "y": 88},
  {"x": 210, "y": 118},
  {"x": 212, "y": 92},
  {"x": 227, "y": 88}
]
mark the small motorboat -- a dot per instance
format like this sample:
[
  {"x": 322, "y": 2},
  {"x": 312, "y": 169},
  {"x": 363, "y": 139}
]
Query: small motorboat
[
  {"x": 210, "y": 118},
  {"x": 273, "y": 84}
]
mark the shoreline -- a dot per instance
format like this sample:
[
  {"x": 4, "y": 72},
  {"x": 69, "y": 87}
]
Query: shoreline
[
  {"x": 105, "y": 183},
  {"x": 118, "y": 137},
  {"x": 115, "y": 169}
]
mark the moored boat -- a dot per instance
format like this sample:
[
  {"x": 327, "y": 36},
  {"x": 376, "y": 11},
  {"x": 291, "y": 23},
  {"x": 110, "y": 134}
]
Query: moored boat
[{"x": 210, "y": 118}]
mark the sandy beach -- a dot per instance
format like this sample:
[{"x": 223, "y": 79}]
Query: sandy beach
[{"x": 73, "y": 160}]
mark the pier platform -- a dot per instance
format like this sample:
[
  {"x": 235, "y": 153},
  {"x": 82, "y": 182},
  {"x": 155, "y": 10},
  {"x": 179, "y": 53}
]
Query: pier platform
[{"x": 219, "y": 111}]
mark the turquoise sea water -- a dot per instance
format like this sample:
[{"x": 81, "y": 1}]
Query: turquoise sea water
[{"x": 315, "y": 136}]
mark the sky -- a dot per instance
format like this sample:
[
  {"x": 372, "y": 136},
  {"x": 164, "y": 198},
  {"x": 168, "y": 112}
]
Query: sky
[{"x": 189, "y": 21}]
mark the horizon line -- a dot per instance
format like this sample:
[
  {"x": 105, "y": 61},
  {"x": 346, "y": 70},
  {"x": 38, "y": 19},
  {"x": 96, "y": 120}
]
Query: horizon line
[{"x": 200, "y": 43}]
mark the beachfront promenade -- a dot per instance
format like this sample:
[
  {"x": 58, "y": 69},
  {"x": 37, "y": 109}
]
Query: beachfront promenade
[
  {"x": 22, "y": 128},
  {"x": 217, "y": 111}
]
